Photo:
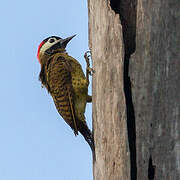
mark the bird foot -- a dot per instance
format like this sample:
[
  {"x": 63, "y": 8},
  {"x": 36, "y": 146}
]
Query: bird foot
[{"x": 89, "y": 70}]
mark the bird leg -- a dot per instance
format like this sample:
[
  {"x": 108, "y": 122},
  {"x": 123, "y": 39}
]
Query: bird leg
[
  {"x": 89, "y": 71},
  {"x": 89, "y": 99}
]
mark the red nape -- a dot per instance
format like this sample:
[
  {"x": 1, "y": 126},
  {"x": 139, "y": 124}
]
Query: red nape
[{"x": 39, "y": 47}]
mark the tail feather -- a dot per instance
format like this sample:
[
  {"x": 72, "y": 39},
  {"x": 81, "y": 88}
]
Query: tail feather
[{"x": 85, "y": 131}]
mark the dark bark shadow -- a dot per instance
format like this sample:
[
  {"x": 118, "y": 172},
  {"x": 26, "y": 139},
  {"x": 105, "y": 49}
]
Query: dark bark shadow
[{"x": 127, "y": 11}]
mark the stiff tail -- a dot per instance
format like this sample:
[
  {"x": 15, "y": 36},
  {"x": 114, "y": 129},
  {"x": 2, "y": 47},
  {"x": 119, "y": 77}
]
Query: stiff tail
[{"x": 84, "y": 130}]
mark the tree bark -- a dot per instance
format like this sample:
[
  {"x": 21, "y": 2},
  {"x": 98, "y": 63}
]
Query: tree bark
[
  {"x": 155, "y": 75},
  {"x": 109, "y": 112},
  {"x": 136, "y": 111}
]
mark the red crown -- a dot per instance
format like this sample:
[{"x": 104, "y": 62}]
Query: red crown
[{"x": 39, "y": 47}]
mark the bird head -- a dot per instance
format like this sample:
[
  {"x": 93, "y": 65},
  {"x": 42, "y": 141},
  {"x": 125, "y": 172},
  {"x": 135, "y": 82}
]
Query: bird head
[{"x": 52, "y": 45}]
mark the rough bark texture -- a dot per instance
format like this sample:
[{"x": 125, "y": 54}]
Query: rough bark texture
[
  {"x": 109, "y": 112},
  {"x": 155, "y": 76},
  {"x": 136, "y": 139}
]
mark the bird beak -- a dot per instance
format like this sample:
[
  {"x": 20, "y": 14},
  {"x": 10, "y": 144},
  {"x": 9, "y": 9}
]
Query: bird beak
[
  {"x": 61, "y": 43},
  {"x": 64, "y": 42}
]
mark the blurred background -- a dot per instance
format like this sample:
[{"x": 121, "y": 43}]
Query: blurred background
[{"x": 35, "y": 142}]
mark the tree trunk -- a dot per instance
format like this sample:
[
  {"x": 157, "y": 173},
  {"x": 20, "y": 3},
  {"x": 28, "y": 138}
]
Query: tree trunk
[
  {"x": 109, "y": 112},
  {"x": 155, "y": 77},
  {"x": 147, "y": 125}
]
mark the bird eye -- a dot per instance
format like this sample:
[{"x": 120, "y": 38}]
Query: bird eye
[{"x": 51, "y": 40}]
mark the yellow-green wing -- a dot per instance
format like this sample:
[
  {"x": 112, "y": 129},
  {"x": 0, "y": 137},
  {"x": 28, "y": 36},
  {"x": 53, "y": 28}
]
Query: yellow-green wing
[{"x": 60, "y": 84}]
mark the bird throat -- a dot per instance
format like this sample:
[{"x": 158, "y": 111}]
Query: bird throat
[{"x": 54, "y": 49}]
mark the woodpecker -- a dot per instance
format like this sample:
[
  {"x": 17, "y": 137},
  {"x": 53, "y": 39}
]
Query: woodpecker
[{"x": 63, "y": 77}]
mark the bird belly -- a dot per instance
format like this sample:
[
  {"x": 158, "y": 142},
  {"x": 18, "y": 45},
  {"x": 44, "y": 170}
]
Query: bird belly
[{"x": 80, "y": 91}]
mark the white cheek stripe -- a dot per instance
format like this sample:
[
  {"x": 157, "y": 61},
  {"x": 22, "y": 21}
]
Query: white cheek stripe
[{"x": 47, "y": 45}]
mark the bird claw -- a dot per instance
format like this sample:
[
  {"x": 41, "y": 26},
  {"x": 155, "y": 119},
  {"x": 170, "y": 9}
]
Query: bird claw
[
  {"x": 90, "y": 71},
  {"x": 86, "y": 56},
  {"x": 87, "y": 52}
]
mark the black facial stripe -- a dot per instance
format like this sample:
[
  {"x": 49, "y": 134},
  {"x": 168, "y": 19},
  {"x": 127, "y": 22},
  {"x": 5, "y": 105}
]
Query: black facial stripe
[{"x": 52, "y": 49}]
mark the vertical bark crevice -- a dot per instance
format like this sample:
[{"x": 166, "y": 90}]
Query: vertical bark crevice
[
  {"x": 131, "y": 125},
  {"x": 127, "y": 13},
  {"x": 154, "y": 71},
  {"x": 151, "y": 169}
]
